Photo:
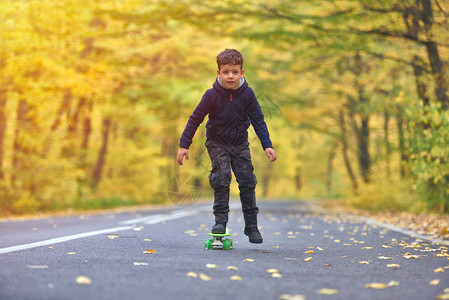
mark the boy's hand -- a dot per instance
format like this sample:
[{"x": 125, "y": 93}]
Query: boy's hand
[
  {"x": 271, "y": 154},
  {"x": 181, "y": 153}
]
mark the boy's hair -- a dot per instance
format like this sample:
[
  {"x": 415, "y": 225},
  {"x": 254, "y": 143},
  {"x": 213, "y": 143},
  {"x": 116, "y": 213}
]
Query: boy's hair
[{"x": 230, "y": 57}]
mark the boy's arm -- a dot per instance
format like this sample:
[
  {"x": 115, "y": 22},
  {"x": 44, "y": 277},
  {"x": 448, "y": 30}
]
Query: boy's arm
[{"x": 260, "y": 127}]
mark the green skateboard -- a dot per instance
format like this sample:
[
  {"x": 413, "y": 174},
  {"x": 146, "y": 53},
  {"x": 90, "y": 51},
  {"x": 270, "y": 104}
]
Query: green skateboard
[{"x": 218, "y": 241}]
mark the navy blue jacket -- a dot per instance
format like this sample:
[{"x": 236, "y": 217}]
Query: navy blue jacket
[{"x": 230, "y": 114}]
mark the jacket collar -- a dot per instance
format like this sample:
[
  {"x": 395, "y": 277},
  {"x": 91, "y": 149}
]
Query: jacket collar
[{"x": 217, "y": 85}]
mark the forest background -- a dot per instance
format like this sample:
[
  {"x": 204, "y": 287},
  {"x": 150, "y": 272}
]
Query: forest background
[{"x": 94, "y": 96}]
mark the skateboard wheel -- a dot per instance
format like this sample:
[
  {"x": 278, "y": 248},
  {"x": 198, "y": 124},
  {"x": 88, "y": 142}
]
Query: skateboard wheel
[
  {"x": 208, "y": 244},
  {"x": 227, "y": 244}
]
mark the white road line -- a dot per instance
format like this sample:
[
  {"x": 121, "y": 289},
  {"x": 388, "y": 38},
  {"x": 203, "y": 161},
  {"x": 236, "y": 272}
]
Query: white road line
[
  {"x": 146, "y": 220},
  {"x": 62, "y": 239}
]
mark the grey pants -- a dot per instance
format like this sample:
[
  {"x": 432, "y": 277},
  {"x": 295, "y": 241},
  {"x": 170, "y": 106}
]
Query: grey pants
[{"x": 238, "y": 158}]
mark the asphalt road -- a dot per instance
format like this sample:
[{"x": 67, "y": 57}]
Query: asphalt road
[{"x": 306, "y": 254}]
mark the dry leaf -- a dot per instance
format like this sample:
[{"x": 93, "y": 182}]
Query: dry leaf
[
  {"x": 321, "y": 249},
  {"x": 148, "y": 240},
  {"x": 308, "y": 259},
  {"x": 111, "y": 237},
  {"x": 192, "y": 274},
  {"x": 376, "y": 285},
  {"x": 83, "y": 280},
  {"x": 439, "y": 270},
  {"x": 204, "y": 277},
  {"x": 393, "y": 266},
  {"x": 272, "y": 271},
  {"x": 232, "y": 268},
  {"x": 310, "y": 252},
  {"x": 328, "y": 291},
  {"x": 364, "y": 262},
  {"x": 211, "y": 266},
  {"x": 435, "y": 282},
  {"x": 291, "y": 297},
  {"x": 71, "y": 253},
  {"x": 393, "y": 283},
  {"x": 149, "y": 251},
  {"x": 385, "y": 246},
  {"x": 410, "y": 256},
  {"x": 51, "y": 247},
  {"x": 443, "y": 297},
  {"x": 140, "y": 264},
  {"x": 235, "y": 278},
  {"x": 366, "y": 248},
  {"x": 276, "y": 275},
  {"x": 384, "y": 257},
  {"x": 249, "y": 259}
]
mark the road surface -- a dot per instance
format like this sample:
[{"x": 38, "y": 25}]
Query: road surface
[{"x": 159, "y": 254}]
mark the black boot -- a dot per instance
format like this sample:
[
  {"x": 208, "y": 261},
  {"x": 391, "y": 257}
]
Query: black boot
[
  {"x": 254, "y": 235},
  {"x": 251, "y": 229},
  {"x": 219, "y": 228}
]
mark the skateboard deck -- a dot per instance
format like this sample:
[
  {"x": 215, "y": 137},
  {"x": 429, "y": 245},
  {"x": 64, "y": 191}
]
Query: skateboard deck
[{"x": 218, "y": 241}]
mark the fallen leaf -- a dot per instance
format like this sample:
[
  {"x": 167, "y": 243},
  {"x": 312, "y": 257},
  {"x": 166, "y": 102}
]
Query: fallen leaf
[
  {"x": 439, "y": 270},
  {"x": 148, "y": 240},
  {"x": 275, "y": 247},
  {"x": 211, "y": 266},
  {"x": 384, "y": 257},
  {"x": 232, "y": 268},
  {"x": 249, "y": 259},
  {"x": 310, "y": 252},
  {"x": 435, "y": 282},
  {"x": 111, "y": 237},
  {"x": 328, "y": 291},
  {"x": 443, "y": 297},
  {"x": 272, "y": 271},
  {"x": 138, "y": 228},
  {"x": 83, "y": 280},
  {"x": 363, "y": 262},
  {"x": 393, "y": 266},
  {"x": 321, "y": 249},
  {"x": 410, "y": 256},
  {"x": 393, "y": 283},
  {"x": 276, "y": 275},
  {"x": 308, "y": 259},
  {"x": 366, "y": 248},
  {"x": 204, "y": 277},
  {"x": 192, "y": 274},
  {"x": 291, "y": 297},
  {"x": 140, "y": 264},
  {"x": 51, "y": 247},
  {"x": 376, "y": 285},
  {"x": 385, "y": 246},
  {"x": 71, "y": 253},
  {"x": 235, "y": 278},
  {"x": 149, "y": 251}
]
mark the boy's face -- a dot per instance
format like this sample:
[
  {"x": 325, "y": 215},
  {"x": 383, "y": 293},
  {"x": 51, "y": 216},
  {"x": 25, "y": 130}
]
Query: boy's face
[{"x": 230, "y": 76}]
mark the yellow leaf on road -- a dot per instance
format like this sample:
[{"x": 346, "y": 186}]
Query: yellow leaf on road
[
  {"x": 393, "y": 266},
  {"x": 439, "y": 270},
  {"x": 328, "y": 291},
  {"x": 149, "y": 251},
  {"x": 393, "y": 283},
  {"x": 376, "y": 285},
  {"x": 211, "y": 266},
  {"x": 291, "y": 297},
  {"x": 83, "y": 280},
  {"x": 111, "y": 237},
  {"x": 384, "y": 257},
  {"x": 140, "y": 264},
  {"x": 235, "y": 278},
  {"x": 308, "y": 259},
  {"x": 192, "y": 274},
  {"x": 232, "y": 268},
  {"x": 435, "y": 282},
  {"x": 276, "y": 275},
  {"x": 310, "y": 252},
  {"x": 272, "y": 271},
  {"x": 71, "y": 253},
  {"x": 366, "y": 248},
  {"x": 443, "y": 297},
  {"x": 363, "y": 262},
  {"x": 204, "y": 277},
  {"x": 249, "y": 259}
]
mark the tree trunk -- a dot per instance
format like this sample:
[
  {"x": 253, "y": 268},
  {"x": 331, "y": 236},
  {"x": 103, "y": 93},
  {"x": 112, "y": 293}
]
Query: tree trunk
[
  {"x": 402, "y": 145},
  {"x": 436, "y": 64},
  {"x": 330, "y": 168},
  {"x": 102, "y": 154},
  {"x": 387, "y": 143},
  {"x": 344, "y": 149}
]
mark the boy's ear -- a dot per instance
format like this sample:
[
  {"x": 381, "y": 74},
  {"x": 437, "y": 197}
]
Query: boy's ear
[
  {"x": 243, "y": 71},
  {"x": 218, "y": 73}
]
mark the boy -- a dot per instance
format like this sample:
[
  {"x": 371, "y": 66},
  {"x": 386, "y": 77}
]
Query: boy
[{"x": 231, "y": 106}]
